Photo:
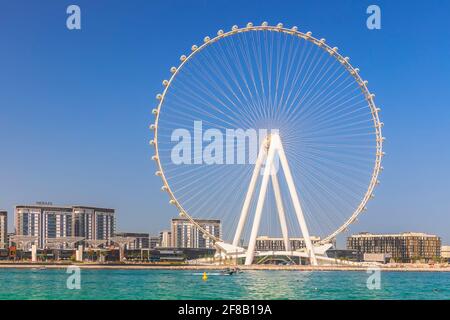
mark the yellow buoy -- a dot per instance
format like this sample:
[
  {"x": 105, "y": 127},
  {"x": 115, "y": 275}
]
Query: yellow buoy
[{"x": 205, "y": 277}]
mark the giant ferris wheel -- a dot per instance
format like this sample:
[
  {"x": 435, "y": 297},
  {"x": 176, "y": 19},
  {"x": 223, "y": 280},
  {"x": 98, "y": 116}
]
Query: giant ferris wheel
[{"x": 315, "y": 166}]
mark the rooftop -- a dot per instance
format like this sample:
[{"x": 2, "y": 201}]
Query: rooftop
[
  {"x": 55, "y": 207},
  {"x": 313, "y": 238},
  {"x": 402, "y": 234},
  {"x": 197, "y": 220},
  {"x": 132, "y": 234}
]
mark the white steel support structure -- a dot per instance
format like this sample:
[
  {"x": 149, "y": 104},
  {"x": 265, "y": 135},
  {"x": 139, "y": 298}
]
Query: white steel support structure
[
  {"x": 280, "y": 209},
  {"x": 272, "y": 147}
]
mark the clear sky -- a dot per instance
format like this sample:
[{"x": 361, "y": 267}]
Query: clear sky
[{"x": 75, "y": 105}]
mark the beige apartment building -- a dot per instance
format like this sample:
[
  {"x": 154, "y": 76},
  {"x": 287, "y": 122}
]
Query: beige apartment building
[{"x": 403, "y": 247}]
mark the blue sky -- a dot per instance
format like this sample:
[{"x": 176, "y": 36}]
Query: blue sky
[{"x": 75, "y": 105}]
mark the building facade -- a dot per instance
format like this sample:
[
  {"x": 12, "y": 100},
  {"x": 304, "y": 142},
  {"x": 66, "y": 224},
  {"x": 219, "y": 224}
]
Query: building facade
[
  {"x": 265, "y": 243},
  {"x": 445, "y": 253},
  {"x": 3, "y": 229},
  {"x": 10, "y": 237},
  {"x": 403, "y": 247},
  {"x": 93, "y": 223},
  {"x": 142, "y": 240},
  {"x": 44, "y": 222},
  {"x": 165, "y": 239},
  {"x": 51, "y": 222},
  {"x": 343, "y": 254},
  {"x": 185, "y": 234},
  {"x": 154, "y": 242}
]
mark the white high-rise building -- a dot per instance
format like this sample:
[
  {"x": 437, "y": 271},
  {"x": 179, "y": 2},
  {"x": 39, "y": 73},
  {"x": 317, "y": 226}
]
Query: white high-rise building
[
  {"x": 93, "y": 223},
  {"x": 43, "y": 221},
  {"x": 3, "y": 229},
  {"x": 51, "y": 222},
  {"x": 185, "y": 234},
  {"x": 165, "y": 239}
]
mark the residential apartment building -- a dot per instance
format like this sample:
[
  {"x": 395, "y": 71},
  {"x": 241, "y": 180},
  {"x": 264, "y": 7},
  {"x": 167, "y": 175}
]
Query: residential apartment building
[
  {"x": 165, "y": 239},
  {"x": 403, "y": 247},
  {"x": 265, "y": 243},
  {"x": 93, "y": 223},
  {"x": 3, "y": 229},
  {"x": 49, "y": 222},
  {"x": 186, "y": 234}
]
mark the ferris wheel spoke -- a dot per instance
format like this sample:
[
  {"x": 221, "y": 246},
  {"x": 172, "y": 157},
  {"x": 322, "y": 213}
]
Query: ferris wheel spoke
[
  {"x": 235, "y": 111},
  {"x": 357, "y": 109},
  {"x": 202, "y": 102},
  {"x": 324, "y": 95},
  {"x": 318, "y": 168},
  {"x": 233, "y": 181},
  {"x": 323, "y": 106},
  {"x": 281, "y": 50},
  {"x": 337, "y": 130},
  {"x": 320, "y": 164},
  {"x": 256, "y": 104},
  {"x": 197, "y": 199},
  {"x": 250, "y": 100},
  {"x": 332, "y": 205},
  {"x": 286, "y": 82},
  {"x": 192, "y": 198},
  {"x": 308, "y": 191},
  {"x": 308, "y": 73},
  {"x": 326, "y": 88},
  {"x": 258, "y": 97},
  {"x": 344, "y": 128},
  {"x": 319, "y": 75},
  {"x": 332, "y": 103},
  {"x": 298, "y": 76},
  {"x": 313, "y": 86}
]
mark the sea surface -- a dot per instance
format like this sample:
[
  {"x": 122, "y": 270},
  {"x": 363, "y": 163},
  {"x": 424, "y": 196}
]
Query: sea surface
[{"x": 185, "y": 284}]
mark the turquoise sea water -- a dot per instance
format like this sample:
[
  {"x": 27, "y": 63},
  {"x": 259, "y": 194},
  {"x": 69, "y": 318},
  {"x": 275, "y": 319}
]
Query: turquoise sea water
[{"x": 170, "y": 284}]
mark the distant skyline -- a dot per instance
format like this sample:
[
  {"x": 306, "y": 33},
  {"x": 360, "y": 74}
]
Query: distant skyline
[{"x": 75, "y": 105}]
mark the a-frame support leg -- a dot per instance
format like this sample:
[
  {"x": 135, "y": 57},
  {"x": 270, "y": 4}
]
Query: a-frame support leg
[{"x": 269, "y": 171}]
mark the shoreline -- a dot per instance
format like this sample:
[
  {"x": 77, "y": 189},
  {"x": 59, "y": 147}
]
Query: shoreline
[{"x": 88, "y": 266}]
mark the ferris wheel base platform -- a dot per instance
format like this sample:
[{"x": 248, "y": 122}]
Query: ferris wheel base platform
[{"x": 226, "y": 250}]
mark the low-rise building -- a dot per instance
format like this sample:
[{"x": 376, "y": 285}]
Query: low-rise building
[
  {"x": 179, "y": 254},
  {"x": 445, "y": 253},
  {"x": 265, "y": 243},
  {"x": 141, "y": 240},
  {"x": 154, "y": 242},
  {"x": 377, "y": 257},
  {"x": 344, "y": 254},
  {"x": 403, "y": 247}
]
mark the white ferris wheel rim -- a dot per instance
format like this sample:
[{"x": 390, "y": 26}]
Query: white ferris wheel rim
[{"x": 333, "y": 51}]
